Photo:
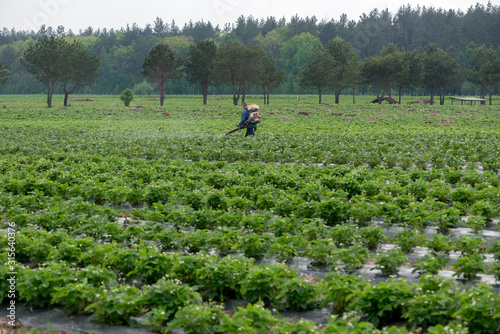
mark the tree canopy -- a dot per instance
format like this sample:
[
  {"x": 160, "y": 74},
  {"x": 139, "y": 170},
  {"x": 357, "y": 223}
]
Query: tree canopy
[
  {"x": 3, "y": 74},
  {"x": 289, "y": 41}
]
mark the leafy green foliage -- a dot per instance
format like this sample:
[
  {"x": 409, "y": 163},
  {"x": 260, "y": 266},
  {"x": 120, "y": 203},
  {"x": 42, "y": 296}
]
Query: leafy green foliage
[
  {"x": 127, "y": 97},
  {"x": 479, "y": 309},
  {"x": 116, "y": 306},
  {"x": 388, "y": 263},
  {"x": 384, "y": 303},
  {"x": 199, "y": 319}
]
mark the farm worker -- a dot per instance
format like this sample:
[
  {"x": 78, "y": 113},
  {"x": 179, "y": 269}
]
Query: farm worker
[{"x": 245, "y": 114}]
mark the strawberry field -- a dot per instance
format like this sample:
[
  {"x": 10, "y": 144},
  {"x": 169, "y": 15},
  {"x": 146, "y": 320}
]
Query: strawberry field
[{"x": 377, "y": 218}]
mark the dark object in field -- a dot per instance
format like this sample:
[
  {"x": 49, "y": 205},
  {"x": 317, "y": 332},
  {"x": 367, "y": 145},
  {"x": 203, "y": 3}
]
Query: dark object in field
[
  {"x": 385, "y": 98},
  {"x": 166, "y": 113},
  {"x": 304, "y": 113},
  {"x": 81, "y": 99},
  {"x": 336, "y": 113}
]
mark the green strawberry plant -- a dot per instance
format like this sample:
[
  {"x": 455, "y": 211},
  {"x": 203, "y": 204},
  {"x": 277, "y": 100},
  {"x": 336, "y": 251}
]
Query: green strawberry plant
[{"x": 388, "y": 263}]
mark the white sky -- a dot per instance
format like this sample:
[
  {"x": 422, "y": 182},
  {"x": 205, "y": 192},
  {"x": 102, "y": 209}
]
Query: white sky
[{"x": 79, "y": 14}]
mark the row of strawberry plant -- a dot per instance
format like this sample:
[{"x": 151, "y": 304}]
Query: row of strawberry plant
[{"x": 190, "y": 280}]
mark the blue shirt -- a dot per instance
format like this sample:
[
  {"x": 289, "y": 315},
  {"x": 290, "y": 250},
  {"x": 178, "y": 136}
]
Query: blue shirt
[{"x": 245, "y": 114}]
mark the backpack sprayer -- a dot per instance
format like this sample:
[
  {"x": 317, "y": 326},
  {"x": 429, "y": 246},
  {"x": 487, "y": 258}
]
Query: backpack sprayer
[{"x": 255, "y": 117}]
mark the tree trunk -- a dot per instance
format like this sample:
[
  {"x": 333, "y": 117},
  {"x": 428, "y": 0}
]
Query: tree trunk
[
  {"x": 441, "y": 97},
  {"x": 161, "y": 82},
  {"x": 353, "y": 94},
  {"x": 235, "y": 98},
  {"x": 204, "y": 91},
  {"x": 399, "y": 95},
  {"x": 489, "y": 93},
  {"x": 268, "y": 97},
  {"x": 66, "y": 93},
  {"x": 50, "y": 91},
  {"x": 319, "y": 93},
  {"x": 337, "y": 95},
  {"x": 49, "y": 99},
  {"x": 264, "y": 91}
]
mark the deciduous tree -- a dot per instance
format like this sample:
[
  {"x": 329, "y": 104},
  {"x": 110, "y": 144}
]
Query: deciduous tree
[
  {"x": 440, "y": 70},
  {"x": 160, "y": 66},
  {"x": 270, "y": 77},
  {"x": 318, "y": 73},
  {"x": 412, "y": 74},
  {"x": 345, "y": 60},
  {"x": 80, "y": 68},
  {"x": 237, "y": 65},
  {"x": 199, "y": 64},
  {"x": 484, "y": 70},
  {"x": 43, "y": 60}
]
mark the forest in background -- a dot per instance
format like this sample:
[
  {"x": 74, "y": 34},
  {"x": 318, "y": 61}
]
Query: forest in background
[{"x": 289, "y": 42}]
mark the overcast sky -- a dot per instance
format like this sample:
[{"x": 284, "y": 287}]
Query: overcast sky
[{"x": 79, "y": 14}]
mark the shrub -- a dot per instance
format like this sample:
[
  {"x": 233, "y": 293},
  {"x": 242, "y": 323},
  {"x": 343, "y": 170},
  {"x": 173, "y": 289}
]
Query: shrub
[{"x": 127, "y": 96}]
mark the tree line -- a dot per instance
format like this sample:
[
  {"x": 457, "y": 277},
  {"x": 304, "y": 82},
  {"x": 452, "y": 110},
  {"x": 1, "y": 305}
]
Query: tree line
[
  {"x": 53, "y": 60},
  {"x": 285, "y": 45}
]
